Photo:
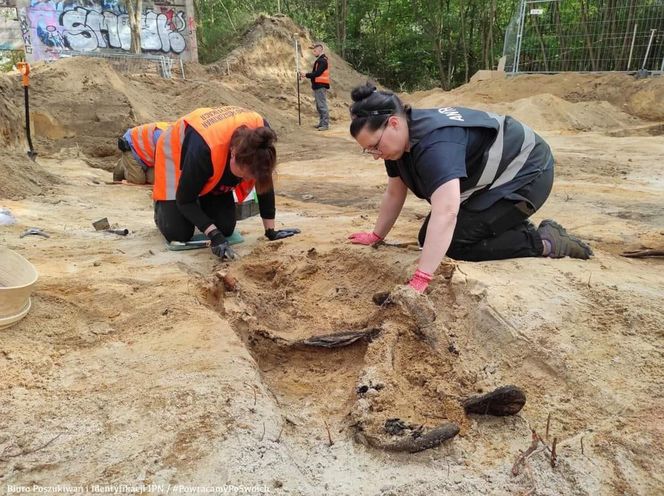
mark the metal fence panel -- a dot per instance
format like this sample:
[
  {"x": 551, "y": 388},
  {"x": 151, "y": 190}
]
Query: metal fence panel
[{"x": 586, "y": 35}]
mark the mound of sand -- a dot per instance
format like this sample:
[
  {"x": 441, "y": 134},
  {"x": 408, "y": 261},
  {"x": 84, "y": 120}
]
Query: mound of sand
[
  {"x": 20, "y": 176},
  {"x": 264, "y": 64},
  {"x": 11, "y": 114},
  {"x": 543, "y": 112},
  {"x": 99, "y": 104},
  {"x": 643, "y": 98}
]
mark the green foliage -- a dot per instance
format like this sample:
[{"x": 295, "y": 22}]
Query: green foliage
[
  {"x": 404, "y": 44},
  {"x": 9, "y": 58}
]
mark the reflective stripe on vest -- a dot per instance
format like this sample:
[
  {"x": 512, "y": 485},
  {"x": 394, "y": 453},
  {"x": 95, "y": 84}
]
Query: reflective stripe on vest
[
  {"x": 143, "y": 142},
  {"x": 490, "y": 176},
  {"x": 504, "y": 159},
  {"x": 216, "y": 126}
]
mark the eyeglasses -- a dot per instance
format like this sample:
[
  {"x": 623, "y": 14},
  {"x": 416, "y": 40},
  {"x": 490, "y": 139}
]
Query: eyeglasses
[{"x": 374, "y": 150}]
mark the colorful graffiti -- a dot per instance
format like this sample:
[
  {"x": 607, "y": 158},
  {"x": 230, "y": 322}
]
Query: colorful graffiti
[{"x": 84, "y": 25}]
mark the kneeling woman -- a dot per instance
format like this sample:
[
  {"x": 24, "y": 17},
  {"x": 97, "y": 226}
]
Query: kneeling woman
[
  {"x": 484, "y": 175},
  {"x": 200, "y": 161}
]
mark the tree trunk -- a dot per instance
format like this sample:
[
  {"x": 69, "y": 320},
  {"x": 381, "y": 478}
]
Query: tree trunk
[
  {"x": 561, "y": 38},
  {"x": 628, "y": 32},
  {"x": 341, "y": 10},
  {"x": 541, "y": 43},
  {"x": 464, "y": 45},
  {"x": 492, "y": 17},
  {"x": 589, "y": 41},
  {"x": 134, "y": 11}
]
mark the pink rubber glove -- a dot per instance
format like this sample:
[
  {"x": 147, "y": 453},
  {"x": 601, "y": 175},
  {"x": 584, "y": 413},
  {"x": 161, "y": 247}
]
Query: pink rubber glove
[
  {"x": 420, "y": 281},
  {"x": 365, "y": 238}
]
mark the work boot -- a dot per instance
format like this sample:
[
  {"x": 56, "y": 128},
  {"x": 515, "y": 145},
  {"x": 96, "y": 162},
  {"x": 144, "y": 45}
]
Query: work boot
[
  {"x": 562, "y": 243},
  {"x": 506, "y": 400}
]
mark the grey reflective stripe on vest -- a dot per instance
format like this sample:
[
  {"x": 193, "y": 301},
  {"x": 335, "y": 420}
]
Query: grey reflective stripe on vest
[
  {"x": 140, "y": 146},
  {"x": 494, "y": 156},
  {"x": 515, "y": 166},
  {"x": 170, "y": 165}
]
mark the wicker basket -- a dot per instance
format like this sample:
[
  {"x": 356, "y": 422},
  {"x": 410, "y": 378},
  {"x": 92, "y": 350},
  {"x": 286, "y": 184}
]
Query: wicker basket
[{"x": 17, "y": 279}]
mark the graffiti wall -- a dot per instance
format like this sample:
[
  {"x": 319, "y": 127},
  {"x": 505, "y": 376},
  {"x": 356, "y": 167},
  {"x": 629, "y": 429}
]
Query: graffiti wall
[{"x": 49, "y": 28}]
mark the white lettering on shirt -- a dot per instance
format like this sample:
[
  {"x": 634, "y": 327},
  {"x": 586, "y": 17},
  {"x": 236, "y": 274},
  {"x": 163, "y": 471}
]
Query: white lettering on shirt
[{"x": 451, "y": 113}]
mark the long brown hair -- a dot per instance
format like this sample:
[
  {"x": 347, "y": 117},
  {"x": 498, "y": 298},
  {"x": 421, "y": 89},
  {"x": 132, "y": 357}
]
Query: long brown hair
[{"x": 255, "y": 150}]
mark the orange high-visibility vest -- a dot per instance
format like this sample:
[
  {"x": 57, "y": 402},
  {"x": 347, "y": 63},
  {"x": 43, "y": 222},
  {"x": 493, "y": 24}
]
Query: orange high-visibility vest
[
  {"x": 324, "y": 78},
  {"x": 143, "y": 142},
  {"x": 216, "y": 126}
]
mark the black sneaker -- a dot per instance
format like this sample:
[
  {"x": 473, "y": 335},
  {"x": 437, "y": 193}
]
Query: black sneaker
[
  {"x": 506, "y": 400},
  {"x": 562, "y": 243},
  {"x": 323, "y": 128}
]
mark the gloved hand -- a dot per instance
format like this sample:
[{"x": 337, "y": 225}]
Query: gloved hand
[
  {"x": 420, "y": 281},
  {"x": 365, "y": 238},
  {"x": 220, "y": 246},
  {"x": 273, "y": 235}
]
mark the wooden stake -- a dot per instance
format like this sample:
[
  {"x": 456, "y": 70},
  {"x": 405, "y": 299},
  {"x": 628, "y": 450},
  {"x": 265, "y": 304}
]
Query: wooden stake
[
  {"x": 329, "y": 436},
  {"x": 522, "y": 457}
]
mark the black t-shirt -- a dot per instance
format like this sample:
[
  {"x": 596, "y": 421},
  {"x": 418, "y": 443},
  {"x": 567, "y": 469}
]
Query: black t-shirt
[
  {"x": 196, "y": 169},
  {"x": 440, "y": 157}
]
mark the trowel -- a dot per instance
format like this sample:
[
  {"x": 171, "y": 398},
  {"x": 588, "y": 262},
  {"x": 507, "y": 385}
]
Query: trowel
[{"x": 103, "y": 225}]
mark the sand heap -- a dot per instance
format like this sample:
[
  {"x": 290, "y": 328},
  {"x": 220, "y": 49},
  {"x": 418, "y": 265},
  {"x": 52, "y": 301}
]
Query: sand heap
[
  {"x": 264, "y": 64},
  {"x": 611, "y": 103},
  {"x": 20, "y": 176},
  {"x": 81, "y": 105}
]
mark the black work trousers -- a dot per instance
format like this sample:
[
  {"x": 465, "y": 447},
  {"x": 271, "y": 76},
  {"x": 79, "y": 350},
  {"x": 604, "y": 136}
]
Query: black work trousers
[
  {"x": 502, "y": 230},
  {"x": 176, "y": 227}
]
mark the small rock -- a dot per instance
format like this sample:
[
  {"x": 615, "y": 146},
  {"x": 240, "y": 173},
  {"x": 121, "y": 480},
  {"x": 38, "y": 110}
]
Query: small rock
[
  {"x": 307, "y": 197},
  {"x": 277, "y": 483},
  {"x": 96, "y": 263}
]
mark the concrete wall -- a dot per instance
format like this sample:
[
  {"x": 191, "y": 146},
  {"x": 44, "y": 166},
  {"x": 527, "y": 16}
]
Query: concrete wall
[
  {"x": 49, "y": 27},
  {"x": 10, "y": 32}
]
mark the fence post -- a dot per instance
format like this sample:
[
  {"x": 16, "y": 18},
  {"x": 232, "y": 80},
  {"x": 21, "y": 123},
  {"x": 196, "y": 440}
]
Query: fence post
[
  {"x": 631, "y": 48},
  {"x": 652, "y": 35},
  {"x": 519, "y": 34}
]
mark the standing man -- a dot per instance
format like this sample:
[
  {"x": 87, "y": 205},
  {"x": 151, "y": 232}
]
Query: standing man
[{"x": 320, "y": 83}]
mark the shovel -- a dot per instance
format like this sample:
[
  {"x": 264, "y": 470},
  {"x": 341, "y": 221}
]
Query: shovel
[{"x": 24, "y": 69}]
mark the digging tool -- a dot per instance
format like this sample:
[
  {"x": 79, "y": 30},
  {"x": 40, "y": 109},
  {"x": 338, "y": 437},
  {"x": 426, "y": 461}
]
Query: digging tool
[
  {"x": 103, "y": 225},
  {"x": 24, "y": 69},
  {"x": 34, "y": 231},
  {"x": 297, "y": 76}
]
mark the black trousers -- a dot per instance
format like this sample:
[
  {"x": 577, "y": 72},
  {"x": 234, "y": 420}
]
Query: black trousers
[
  {"x": 502, "y": 230},
  {"x": 176, "y": 227}
]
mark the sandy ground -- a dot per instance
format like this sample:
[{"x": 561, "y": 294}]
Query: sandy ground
[
  {"x": 136, "y": 366},
  {"x": 148, "y": 373}
]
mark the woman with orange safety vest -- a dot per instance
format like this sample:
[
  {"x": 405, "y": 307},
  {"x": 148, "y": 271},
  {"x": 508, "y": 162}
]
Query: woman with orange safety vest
[
  {"x": 203, "y": 159},
  {"x": 138, "y": 148}
]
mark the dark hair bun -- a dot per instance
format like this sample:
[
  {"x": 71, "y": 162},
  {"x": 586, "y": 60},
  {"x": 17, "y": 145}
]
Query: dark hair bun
[
  {"x": 359, "y": 93},
  {"x": 265, "y": 137}
]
